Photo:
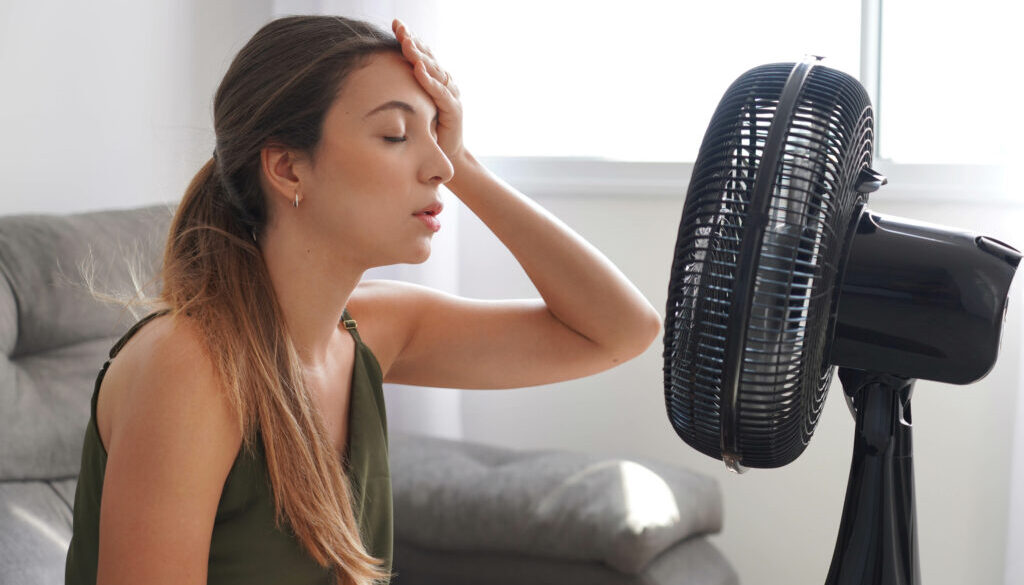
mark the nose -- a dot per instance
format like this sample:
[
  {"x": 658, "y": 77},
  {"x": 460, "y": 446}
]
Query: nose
[{"x": 436, "y": 168}]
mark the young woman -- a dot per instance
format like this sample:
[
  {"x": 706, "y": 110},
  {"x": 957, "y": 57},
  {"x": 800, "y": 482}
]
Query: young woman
[{"x": 239, "y": 435}]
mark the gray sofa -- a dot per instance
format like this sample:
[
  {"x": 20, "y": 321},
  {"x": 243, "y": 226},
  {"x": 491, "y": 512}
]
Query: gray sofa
[{"x": 464, "y": 513}]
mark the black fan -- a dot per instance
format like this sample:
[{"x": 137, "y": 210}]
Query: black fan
[{"x": 781, "y": 273}]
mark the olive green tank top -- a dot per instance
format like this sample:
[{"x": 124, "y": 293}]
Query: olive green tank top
[{"x": 246, "y": 547}]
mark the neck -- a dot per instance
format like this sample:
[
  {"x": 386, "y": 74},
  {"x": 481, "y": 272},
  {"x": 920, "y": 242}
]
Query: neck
[{"x": 313, "y": 285}]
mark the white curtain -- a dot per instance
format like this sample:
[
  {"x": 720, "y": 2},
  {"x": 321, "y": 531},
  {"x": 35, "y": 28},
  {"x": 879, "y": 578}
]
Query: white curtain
[{"x": 431, "y": 411}]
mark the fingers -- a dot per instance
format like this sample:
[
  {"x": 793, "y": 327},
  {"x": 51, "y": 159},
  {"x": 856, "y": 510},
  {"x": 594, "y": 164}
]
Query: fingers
[
  {"x": 430, "y": 81},
  {"x": 417, "y": 52},
  {"x": 414, "y": 53},
  {"x": 402, "y": 32}
]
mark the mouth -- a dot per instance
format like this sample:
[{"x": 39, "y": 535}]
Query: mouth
[{"x": 432, "y": 209}]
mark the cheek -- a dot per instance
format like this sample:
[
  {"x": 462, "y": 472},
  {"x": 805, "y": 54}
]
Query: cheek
[
  {"x": 365, "y": 164},
  {"x": 365, "y": 181},
  {"x": 360, "y": 192}
]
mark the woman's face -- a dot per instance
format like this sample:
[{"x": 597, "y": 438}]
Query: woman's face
[{"x": 377, "y": 165}]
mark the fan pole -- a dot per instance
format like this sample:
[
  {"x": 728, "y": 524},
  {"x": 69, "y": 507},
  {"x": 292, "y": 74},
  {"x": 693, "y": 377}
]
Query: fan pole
[{"x": 877, "y": 542}]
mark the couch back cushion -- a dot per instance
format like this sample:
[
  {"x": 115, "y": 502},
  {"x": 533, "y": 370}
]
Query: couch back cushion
[{"x": 55, "y": 334}]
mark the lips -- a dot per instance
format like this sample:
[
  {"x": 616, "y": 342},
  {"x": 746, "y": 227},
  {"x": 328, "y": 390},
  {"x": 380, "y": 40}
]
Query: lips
[
  {"x": 432, "y": 209},
  {"x": 428, "y": 216}
]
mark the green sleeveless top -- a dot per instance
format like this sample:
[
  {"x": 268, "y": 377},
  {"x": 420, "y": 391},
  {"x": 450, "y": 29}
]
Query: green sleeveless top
[{"x": 246, "y": 547}]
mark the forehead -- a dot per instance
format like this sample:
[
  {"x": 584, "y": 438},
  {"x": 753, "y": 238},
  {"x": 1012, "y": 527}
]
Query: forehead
[{"x": 385, "y": 77}]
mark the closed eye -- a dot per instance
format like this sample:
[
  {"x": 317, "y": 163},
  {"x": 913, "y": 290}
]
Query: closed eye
[{"x": 395, "y": 138}]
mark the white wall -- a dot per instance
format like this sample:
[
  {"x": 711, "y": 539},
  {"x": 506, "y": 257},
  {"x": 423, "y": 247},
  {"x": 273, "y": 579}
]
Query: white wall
[
  {"x": 108, "y": 103},
  {"x": 1015, "y": 517},
  {"x": 780, "y": 525}
]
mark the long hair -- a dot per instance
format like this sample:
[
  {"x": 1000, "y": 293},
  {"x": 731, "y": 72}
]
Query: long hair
[{"x": 278, "y": 88}]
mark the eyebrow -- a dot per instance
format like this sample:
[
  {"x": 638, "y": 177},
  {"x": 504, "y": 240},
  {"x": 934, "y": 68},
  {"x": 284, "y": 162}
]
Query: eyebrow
[
  {"x": 395, "y": 105},
  {"x": 392, "y": 105}
]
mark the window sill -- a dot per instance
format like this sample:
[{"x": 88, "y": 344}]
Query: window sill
[{"x": 600, "y": 178}]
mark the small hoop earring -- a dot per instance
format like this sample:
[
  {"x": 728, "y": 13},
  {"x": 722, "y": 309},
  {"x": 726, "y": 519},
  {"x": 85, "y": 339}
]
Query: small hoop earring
[{"x": 296, "y": 203}]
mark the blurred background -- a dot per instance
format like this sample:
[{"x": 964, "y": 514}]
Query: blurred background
[{"x": 597, "y": 111}]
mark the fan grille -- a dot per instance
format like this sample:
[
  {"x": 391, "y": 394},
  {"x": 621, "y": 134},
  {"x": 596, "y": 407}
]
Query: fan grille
[{"x": 784, "y": 374}]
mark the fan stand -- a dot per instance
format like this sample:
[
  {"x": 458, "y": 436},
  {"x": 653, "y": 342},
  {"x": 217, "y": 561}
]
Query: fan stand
[{"x": 877, "y": 542}]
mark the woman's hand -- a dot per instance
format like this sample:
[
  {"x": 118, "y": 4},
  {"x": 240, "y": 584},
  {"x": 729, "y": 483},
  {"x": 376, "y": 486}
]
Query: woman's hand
[{"x": 439, "y": 86}]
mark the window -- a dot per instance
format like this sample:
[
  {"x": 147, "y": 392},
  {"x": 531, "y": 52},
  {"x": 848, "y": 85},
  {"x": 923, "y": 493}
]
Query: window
[
  {"x": 950, "y": 82},
  {"x": 635, "y": 83}
]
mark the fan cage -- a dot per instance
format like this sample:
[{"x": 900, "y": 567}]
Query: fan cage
[{"x": 785, "y": 373}]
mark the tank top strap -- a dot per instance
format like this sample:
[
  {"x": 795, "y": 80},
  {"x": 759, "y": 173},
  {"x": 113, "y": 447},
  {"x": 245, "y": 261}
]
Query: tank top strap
[
  {"x": 350, "y": 324},
  {"x": 124, "y": 338}
]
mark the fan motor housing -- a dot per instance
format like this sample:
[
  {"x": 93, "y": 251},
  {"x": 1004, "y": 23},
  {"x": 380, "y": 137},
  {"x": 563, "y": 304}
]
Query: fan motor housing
[{"x": 922, "y": 301}]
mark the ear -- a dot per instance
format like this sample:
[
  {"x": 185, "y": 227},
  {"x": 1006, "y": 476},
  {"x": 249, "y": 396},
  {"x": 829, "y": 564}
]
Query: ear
[{"x": 281, "y": 172}]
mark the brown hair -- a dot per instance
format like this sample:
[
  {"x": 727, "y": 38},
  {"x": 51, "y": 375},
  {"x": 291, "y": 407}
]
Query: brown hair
[{"x": 278, "y": 89}]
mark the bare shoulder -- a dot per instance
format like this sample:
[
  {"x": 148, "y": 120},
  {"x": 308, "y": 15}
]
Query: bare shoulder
[
  {"x": 172, "y": 439},
  {"x": 381, "y": 309},
  {"x": 164, "y": 368}
]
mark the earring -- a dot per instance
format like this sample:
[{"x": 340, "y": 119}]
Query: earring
[{"x": 296, "y": 203}]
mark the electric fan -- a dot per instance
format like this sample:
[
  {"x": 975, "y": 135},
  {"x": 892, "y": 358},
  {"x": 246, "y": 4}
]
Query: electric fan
[{"x": 781, "y": 273}]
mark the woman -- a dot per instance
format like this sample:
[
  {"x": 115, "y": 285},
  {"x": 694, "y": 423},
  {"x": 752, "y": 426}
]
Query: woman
[{"x": 239, "y": 435}]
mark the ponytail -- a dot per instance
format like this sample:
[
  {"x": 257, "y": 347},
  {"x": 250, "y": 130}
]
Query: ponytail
[{"x": 214, "y": 275}]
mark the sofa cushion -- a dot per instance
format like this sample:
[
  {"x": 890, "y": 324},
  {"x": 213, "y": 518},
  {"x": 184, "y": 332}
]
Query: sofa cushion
[
  {"x": 46, "y": 409},
  {"x": 694, "y": 561},
  {"x": 36, "y": 521},
  {"x": 54, "y": 335},
  {"x": 458, "y": 496}
]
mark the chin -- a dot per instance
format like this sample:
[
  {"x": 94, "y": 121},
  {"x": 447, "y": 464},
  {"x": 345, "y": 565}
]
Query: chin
[
  {"x": 421, "y": 255},
  {"x": 420, "y": 259}
]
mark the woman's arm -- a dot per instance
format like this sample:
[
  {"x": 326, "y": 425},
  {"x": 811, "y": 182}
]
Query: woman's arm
[
  {"x": 172, "y": 438},
  {"x": 579, "y": 285},
  {"x": 590, "y": 317}
]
